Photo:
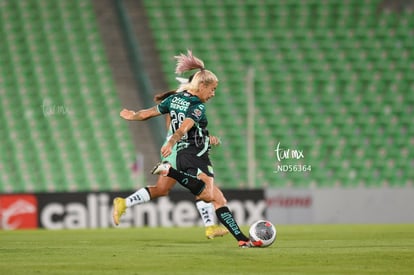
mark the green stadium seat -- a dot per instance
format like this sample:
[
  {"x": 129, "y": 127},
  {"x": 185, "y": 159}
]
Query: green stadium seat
[
  {"x": 62, "y": 81},
  {"x": 322, "y": 78}
]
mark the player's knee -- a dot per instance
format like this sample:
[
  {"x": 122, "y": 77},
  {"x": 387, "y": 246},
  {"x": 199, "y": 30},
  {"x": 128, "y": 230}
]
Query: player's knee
[
  {"x": 206, "y": 196},
  {"x": 216, "y": 197}
]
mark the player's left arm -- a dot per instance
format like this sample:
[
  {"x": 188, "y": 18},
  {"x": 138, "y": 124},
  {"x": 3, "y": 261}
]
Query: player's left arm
[
  {"x": 143, "y": 114},
  {"x": 187, "y": 124}
]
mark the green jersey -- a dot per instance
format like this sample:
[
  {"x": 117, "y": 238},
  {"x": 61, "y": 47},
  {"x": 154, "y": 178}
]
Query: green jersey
[{"x": 181, "y": 106}]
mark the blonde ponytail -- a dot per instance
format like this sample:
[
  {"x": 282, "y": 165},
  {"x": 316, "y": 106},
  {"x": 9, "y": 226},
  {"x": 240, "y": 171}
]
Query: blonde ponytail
[{"x": 190, "y": 62}]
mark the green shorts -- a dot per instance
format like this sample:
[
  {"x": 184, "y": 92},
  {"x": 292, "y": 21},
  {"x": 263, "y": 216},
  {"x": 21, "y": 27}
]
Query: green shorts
[{"x": 171, "y": 158}]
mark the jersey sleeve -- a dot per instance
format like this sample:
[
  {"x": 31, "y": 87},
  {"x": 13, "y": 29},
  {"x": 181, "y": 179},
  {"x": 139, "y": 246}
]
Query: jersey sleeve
[
  {"x": 196, "y": 112},
  {"x": 164, "y": 106}
]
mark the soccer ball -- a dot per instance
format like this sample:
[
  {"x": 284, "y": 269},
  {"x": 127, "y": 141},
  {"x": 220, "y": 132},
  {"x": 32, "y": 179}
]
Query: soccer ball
[{"x": 263, "y": 233}]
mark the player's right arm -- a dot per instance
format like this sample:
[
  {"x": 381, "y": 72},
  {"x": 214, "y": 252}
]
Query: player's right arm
[
  {"x": 186, "y": 125},
  {"x": 143, "y": 114}
]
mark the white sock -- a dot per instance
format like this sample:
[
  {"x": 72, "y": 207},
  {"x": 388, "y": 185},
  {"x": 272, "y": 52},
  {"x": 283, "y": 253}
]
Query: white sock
[
  {"x": 140, "y": 196},
  {"x": 206, "y": 210}
]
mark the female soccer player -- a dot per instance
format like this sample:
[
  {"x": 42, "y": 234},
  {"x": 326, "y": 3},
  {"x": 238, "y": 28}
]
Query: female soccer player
[
  {"x": 190, "y": 135},
  {"x": 165, "y": 184}
]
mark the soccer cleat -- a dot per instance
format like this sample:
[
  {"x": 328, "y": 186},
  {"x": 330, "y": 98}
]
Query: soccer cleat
[
  {"x": 161, "y": 168},
  {"x": 249, "y": 244},
  {"x": 244, "y": 244},
  {"x": 119, "y": 209},
  {"x": 213, "y": 231}
]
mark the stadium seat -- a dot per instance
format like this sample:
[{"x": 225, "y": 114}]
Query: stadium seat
[
  {"x": 58, "y": 75},
  {"x": 321, "y": 76}
]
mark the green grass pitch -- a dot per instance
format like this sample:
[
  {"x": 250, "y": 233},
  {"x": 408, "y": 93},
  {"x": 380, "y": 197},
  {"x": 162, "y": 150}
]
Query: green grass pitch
[{"x": 304, "y": 249}]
